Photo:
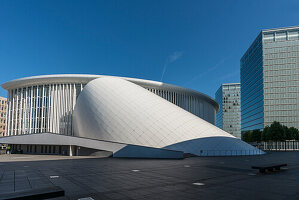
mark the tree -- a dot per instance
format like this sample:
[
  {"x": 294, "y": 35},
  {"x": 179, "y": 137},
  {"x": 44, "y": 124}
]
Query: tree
[
  {"x": 294, "y": 133},
  {"x": 276, "y": 132},
  {"x": 286, "y": 133},
  {"x": 256, "y": 135},
  {"x": 246, "y": 136},
  {"x": 264, "y": 136}
]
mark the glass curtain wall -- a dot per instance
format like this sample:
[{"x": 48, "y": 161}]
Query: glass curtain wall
[
  {"x": 252, "y": 104},
  {"x": 281, "y": 77}
]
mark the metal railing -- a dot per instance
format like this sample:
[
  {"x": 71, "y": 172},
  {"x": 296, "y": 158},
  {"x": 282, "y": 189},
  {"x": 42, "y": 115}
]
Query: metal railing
[
  {"x": 230, "y": 152},
  {"x": 291, "y": 145}
]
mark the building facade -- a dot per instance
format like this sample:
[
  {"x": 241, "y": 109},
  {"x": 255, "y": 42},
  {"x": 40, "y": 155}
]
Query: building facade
[
  {"x": 125, "y": 116},
  {"x": 47, "y": 106},
  {"x": 3, "y": 107},
  {"x": 270, "y": 80},
  {"x": 228, "y": 96}
]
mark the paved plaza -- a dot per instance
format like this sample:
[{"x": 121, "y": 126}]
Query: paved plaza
[{"x": 190, "y": 178}]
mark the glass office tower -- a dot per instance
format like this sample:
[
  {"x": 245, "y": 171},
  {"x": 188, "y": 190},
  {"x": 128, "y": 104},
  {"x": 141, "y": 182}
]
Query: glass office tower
[
  {"x": 228, "y": 117},
  {"x": 270, "y": 80}
]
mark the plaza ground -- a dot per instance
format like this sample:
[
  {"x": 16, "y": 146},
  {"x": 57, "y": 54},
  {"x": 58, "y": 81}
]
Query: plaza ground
[{"x": 190, "y": 178}]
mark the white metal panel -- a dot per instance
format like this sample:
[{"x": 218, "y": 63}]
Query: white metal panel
[{"x": 117, "y": 110}]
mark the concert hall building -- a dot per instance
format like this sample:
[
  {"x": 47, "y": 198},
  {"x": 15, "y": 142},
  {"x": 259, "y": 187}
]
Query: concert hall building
[{"x": 114, "y": 116}]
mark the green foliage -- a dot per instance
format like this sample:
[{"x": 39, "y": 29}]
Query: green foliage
[
  {"x": 294, "y": 133},
  {"x": 256, "y": 135},
  {"x": 246, "y": 136},
  {"x": 265, "y": 134},
  {"x": 274, "y": 132},
  {"x": 252, "y": 136},
  {"x": 286, "y": 133}
]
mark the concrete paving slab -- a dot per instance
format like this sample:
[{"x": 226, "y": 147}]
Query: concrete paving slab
[{"x": 112, "y": 178}]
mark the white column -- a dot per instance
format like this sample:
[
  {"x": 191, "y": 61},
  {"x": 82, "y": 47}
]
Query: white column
[
  {"x": 42, "y": 107},
  {"x": 69, "y": 116},
  {"x": 71, "y": 148},
  {"x": 65, "y": 107},
  {"x": 59, "y": 108},
  {"x": 62, "y": 108},
  {"x": 49, "y": 109},
  {"x": 37, "y": 125},
  {"x": 73, "y": 105},
  {"x": 20, "y": 113},
  {"x": 25, "y": 110},
  {"x": 31, "y": 110},
  {"x": 67, "y": 93},
  {"x": 65, "y": 97},
  {"x": 17, "y": 108},
  {"x": 55, "y": 109},
  {"x": 61, "y": 105},
  {"x": 57, "y": 105},
  {"x": 50, "y": 116}
]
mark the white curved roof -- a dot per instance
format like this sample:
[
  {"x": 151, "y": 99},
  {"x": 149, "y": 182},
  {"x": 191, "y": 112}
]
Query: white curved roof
[
  {"x": 117, "y": 110},
  {"x": 85, "y": 78}
]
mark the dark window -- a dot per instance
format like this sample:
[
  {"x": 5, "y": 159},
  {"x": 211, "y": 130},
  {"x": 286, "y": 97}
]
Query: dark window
[{"x": 42, "y": 149}]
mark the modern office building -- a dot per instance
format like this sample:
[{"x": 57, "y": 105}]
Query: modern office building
[
  {"x": 270, "y": 79},
  {"x": 228, "y": 96},
  {"x": 3, "y": 107},
  {"x": 86, "y": 114}
]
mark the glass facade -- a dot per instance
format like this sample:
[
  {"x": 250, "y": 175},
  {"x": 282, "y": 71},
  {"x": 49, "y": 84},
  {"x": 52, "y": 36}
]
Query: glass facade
[
  {"x": 219, "y": 115},
  {"x": 281, "y": 76},
  {"x": 252, "y": 104},
  {"x": 270, "y": 80},
  {"x": 229, "y": 116}
]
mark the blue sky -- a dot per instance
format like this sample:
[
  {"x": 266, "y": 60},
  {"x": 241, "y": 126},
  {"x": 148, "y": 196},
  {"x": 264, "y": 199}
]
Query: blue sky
[{"x": 194, "y": 44}]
